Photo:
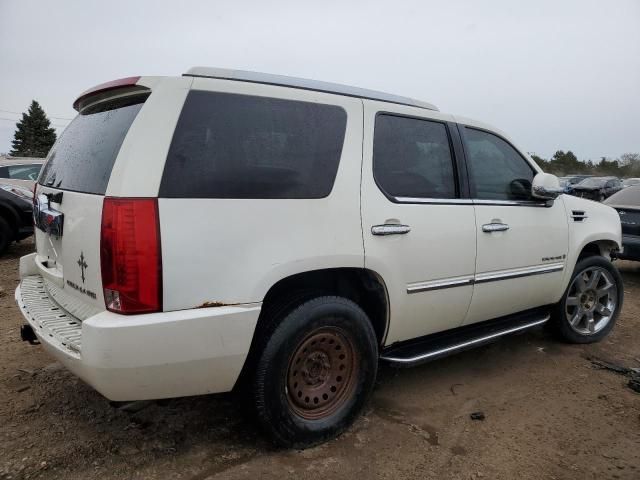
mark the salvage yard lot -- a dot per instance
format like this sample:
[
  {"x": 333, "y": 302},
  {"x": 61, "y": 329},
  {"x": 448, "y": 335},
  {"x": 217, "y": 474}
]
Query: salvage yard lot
[{"x": 548, "y": 414}]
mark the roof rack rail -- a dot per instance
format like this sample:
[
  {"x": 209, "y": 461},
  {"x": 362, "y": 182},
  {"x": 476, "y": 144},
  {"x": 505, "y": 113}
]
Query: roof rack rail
[{"x": 305, "y": 84}]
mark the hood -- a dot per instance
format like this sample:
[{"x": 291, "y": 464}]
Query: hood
[{"x": 624, "y": 207}]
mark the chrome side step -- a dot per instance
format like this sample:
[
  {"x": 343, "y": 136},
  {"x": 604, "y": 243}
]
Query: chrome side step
[{"x": 442, "y": 344}]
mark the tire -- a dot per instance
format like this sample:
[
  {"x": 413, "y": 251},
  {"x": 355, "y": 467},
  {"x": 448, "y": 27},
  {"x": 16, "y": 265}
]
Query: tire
[
  {"x": 6, "y": 235},
  {"x": 315, "y": 372},
  {"x": 582, "y": 316}
]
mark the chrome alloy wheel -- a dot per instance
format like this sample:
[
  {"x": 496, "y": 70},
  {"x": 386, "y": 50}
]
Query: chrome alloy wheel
[{"x": 591, "y": 301}]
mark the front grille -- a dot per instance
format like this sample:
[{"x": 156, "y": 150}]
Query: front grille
[{"x": 46, "y": 317}]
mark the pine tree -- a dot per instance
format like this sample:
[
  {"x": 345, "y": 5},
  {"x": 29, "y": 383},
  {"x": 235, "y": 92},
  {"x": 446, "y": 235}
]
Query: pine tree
[{"x": 34, "y": 135}]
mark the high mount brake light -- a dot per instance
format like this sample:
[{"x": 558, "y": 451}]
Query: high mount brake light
[
  {"x": 130, "y": 255},
  {"x": 105, "y": 87}
]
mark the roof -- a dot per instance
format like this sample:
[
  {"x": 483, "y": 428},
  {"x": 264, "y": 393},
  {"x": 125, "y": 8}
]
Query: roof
[{"x": 305, "y": 84}]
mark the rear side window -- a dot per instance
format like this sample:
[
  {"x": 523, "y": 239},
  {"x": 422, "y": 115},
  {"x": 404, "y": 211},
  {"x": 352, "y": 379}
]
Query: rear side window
[
  {"x": 239, "y": 146},
  {"x": 412, "y": 158},
  {"x": 83, "y": 157},
  {"x": 496, "y": 170}
]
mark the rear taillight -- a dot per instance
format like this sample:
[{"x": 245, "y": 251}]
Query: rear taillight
[{"x": 130, "y": 255}]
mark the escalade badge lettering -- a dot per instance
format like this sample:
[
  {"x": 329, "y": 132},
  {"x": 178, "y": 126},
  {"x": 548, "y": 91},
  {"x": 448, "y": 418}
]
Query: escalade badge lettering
[
  {"x": 551, "y": 259},
  {"x": 82, "y": 264}
]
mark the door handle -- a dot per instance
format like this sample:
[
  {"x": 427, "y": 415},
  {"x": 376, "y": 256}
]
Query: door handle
[
  {"x": 390, "y": 229},
  {"x": 495, "y": 227}
]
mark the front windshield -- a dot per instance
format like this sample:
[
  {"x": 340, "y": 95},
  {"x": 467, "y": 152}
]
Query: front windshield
[{"x": 592, "y": 182}]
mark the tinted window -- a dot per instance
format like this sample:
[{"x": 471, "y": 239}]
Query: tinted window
[
  {"x": 82, "y": 158},
  {"x": 412, "y": 158},
  {"x": 239, "y": 146},
  {"x": 496, "y": 170},
  {"x": 24, "y": 172}
]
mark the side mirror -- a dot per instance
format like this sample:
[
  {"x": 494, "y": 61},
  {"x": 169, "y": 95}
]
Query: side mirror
[{"x": 546, "y": 186}]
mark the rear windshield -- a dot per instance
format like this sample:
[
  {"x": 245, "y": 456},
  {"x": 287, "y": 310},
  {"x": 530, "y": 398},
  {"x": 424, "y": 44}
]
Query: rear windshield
[
  {"x": 239, "y": 146},
  {"x": 628, "y": 196},
  {"x": 83, "y": 156}
]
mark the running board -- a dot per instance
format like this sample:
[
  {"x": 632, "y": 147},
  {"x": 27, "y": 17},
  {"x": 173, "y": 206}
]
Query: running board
[{"x": 431, "y": 347}]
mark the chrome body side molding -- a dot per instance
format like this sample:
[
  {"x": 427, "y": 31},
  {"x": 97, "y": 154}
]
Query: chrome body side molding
[
  {"x": 518, "y": 272},
  {"x": 484, "y": 277}
]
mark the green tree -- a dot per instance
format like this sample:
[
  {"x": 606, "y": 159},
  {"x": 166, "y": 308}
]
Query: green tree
[
  {"x": 34, "y": 135},
  {"x": 608, "y": 167},
  {"x": 542, "y": 163}
]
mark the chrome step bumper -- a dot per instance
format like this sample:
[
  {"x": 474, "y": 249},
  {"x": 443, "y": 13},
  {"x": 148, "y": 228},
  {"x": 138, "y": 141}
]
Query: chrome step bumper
[{"x": 46, "y": 317}]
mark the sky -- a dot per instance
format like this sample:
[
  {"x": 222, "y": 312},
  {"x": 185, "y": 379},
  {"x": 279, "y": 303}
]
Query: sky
[{"x": 554, "y": 75}]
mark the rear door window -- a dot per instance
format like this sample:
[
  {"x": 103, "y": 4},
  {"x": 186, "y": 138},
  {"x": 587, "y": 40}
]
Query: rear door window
[
  {"x": 83, "y": 157},
  {"x": 240, "y": 146},
  {"x": 412, "y": 158}
]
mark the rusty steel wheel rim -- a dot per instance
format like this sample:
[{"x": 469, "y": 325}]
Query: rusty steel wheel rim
[{"x": 322, "y": 373}]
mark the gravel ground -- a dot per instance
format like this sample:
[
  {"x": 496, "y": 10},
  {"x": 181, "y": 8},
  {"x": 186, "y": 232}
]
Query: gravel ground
[{"x": 549, "y": 414}]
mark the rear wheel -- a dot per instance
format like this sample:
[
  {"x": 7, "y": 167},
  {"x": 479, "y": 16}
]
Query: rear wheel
[
  {"x": 589, "y": 308},
  {"x": 6, "y": 235},
  {"x": 315, "y": 372}
]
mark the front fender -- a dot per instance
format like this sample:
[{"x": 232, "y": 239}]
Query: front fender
[{"x": 600, "y": 227}]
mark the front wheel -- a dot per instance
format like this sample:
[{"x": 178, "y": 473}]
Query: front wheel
[
  {"x": 315, "y": 372},
  {"x": 590, "y": 306}
]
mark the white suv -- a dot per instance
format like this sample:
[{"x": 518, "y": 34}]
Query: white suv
[{"x": 281, "y": 236}]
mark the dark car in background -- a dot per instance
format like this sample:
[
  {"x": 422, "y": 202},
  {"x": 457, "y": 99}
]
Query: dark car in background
[
  {"x": 597, "y": 188},
  {"x": 627, "y": 203},
  {"x": 16, "y": 213},
  {"x": 568, "y": 182}
]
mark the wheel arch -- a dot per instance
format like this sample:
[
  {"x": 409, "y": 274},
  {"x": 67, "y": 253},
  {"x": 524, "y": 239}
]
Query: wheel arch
[
  {"x": 361, "y": 285},
  {"x": 604, "y": 248},
  {"x": 11, "y": 217}
]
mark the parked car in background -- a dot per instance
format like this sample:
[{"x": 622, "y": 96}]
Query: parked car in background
[
  {"x": 627, "y": 203},
  {"x": 21, "y": 168},
  {"x": 569, "y": 181},
  {"x": 597, "y": 188},
  {"x": 281, "y": 236},
  {"x": 16, "y": 213},
  {"x": 628, "y": 182}
]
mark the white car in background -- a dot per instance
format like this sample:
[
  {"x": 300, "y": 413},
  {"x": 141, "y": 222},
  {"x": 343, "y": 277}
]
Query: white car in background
[
  {"x": 628, "y": 182},
  {"x": 233, "y": 229}
]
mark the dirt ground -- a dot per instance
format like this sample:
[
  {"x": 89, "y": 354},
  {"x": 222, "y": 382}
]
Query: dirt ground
[{"x": 549, "y": 415}]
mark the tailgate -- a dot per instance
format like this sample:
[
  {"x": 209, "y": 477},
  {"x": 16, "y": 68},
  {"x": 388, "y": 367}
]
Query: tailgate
[
  {"x": 70, "y": 263},
  {"x": 69, "y": 198}
]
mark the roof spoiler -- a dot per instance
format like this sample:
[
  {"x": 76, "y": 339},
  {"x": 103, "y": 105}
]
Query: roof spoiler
[{"x": 102, "y": 91}]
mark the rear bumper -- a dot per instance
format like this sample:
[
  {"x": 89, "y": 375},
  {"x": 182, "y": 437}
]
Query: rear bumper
[
  {"x": 138, "y": 357},
  {"x": 631, "y": 248}
]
